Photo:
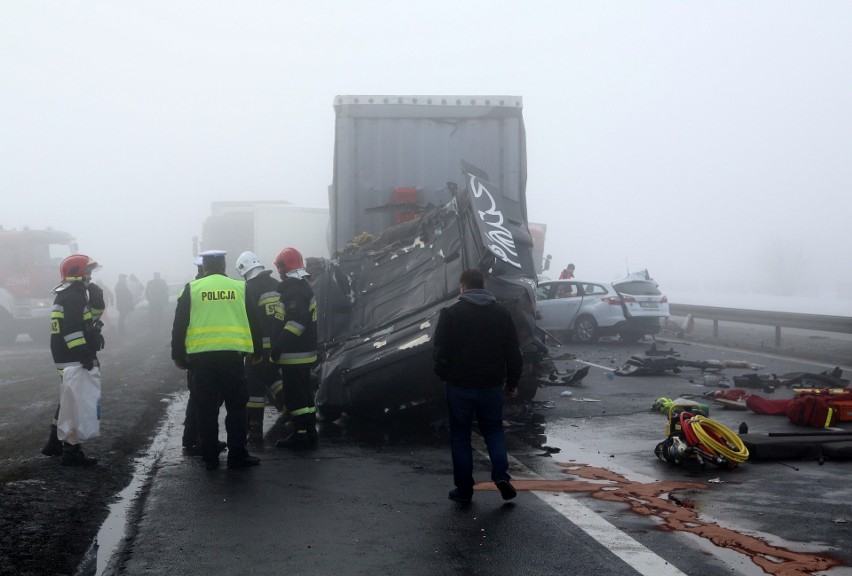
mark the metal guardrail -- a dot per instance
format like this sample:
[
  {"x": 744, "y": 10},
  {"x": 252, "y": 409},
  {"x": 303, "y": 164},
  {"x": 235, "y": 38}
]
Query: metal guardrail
[{"x": 817, "y": 322}]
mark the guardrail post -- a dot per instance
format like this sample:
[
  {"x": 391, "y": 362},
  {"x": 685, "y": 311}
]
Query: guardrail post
[
  {"x": 715, "y": 328},
  {"x": 778, "y": 336}
]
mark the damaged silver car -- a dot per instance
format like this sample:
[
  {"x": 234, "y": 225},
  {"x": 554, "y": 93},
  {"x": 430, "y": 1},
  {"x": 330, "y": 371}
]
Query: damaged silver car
[{"x": 630, "y": 308}]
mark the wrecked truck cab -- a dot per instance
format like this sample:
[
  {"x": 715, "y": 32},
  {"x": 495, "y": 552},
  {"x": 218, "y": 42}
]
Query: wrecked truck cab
[
  {"x": 424, "y": 187},
  {"x": 379, "y": 301}
]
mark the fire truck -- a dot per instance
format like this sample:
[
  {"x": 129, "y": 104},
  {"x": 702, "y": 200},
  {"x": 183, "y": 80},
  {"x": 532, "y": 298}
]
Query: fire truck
[{"x": 29, "y": 270}]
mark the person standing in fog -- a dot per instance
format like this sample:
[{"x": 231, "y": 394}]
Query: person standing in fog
[
  {"x": 124, "y": 302},
  {"x": 264, "y": 378},
  {"x": 157, "y": 294},
  {"x": 75, "y": 339},
  {"x": 294, "y": 347},
  {"x": 568, "y": 273},
  {"x": 478, "y": 356},
  {"x": 214, "y": 327},
  {"x": 136, "y": 288},
  {"x": 191, "y": 439}
]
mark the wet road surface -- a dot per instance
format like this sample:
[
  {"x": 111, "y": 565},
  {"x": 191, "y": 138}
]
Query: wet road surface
[{"x": 372, "y": 499}]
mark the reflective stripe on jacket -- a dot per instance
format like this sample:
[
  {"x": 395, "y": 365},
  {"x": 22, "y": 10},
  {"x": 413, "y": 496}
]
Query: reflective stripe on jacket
[{"x": 295, "y": 340}]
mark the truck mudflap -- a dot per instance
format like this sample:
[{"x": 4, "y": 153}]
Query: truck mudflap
[{"x": 380, "y": 298}]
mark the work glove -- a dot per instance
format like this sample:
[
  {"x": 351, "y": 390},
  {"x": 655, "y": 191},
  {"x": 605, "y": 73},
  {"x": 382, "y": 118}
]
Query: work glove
[
  {"x": 98, "y": 341},
  {"x": 88, "y": 363}
]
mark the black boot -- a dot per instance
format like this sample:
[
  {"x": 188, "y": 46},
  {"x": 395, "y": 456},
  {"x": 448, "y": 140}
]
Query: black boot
[
  {"x": 72, "y": 455},
  {"x": 53, "y": 446},
  {"x": 311, "y": 426},
  {"x": 298, "y": 439},
  {"x": 304, "y": 434}
]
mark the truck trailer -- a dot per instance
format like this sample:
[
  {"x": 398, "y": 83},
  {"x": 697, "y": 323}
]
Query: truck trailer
[
  {"x": 265, "y": 228},
  {"x": 424, "y": 187}
]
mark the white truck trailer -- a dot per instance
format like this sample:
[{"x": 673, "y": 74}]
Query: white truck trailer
[{"x": 265, "y": 228}]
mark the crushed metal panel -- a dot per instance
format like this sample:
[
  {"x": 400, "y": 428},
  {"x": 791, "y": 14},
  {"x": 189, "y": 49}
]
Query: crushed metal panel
[{"x": 380, "y": 302}]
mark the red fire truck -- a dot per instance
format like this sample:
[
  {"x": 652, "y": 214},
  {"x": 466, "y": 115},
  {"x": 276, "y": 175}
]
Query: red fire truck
[{"x": 29, "y": 270}]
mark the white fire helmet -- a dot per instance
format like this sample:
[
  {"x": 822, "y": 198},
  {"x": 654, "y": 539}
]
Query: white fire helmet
[{"x": 248, "y": 262}]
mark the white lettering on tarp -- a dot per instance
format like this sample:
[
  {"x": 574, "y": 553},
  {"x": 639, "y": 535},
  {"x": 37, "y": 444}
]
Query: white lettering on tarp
[{"x": 503, "y": 243}]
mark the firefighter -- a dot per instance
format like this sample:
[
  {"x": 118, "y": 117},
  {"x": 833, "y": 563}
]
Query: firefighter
[
  {"x": 263, "y": 378},
  {"x": 75, "y": 338},
  {"x": 294, "y": 347},
  {"x": 214, "y": 326}
]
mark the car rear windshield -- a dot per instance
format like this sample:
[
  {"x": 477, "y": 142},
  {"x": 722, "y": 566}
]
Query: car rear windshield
[{"x": 638, "y": 288}]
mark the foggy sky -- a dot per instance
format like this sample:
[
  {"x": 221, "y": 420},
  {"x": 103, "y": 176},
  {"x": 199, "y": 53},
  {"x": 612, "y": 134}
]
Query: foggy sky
[{"x": 707, "y": 142}]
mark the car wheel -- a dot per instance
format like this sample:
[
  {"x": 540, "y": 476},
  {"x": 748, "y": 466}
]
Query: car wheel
[
  {"x": 631, "y": 336},
  {"x": 586, "y": 329}
]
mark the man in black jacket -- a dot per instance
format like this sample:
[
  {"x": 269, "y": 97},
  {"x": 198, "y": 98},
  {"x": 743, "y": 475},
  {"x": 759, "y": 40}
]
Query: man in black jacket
[{"x": 476, "y": 352}]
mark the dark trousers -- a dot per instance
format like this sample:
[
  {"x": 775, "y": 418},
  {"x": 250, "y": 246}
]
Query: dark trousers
[
  {"x": 299, "y": 394},
  {"x": 220, "y": 377},
  {"x": 261, "y": 379},
  {"x": 486, "y": 405},
  {"x": 190, "y": 422}
]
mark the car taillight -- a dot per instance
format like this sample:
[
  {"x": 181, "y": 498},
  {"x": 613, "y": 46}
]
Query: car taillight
[
  {"x": 612, "y": 300},
  {"x": 628, "y": 298}
]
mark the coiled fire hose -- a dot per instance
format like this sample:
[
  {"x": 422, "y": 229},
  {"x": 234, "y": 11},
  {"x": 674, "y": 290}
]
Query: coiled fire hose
[{"x": 712, "y": 438}]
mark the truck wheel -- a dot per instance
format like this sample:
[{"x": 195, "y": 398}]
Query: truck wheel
[
  {"x": 8, "y": 332},
  {"x": 586, "y": 330}
]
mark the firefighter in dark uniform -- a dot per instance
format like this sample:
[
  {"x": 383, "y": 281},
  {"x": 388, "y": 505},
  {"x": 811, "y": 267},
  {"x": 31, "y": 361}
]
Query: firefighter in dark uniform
[
  {"x": 214, "y": 326},
  {"x": 75, "y": 338},
  {"x": 264, "y": 379},
  {"x": 294, "y": 347}
]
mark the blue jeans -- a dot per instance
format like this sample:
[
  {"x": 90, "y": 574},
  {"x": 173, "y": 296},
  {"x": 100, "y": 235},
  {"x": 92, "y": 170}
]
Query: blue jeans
[{"x": 487, "y": 405}]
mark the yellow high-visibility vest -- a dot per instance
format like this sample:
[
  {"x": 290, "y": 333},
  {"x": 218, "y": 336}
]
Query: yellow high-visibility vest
[{"x": 217, "y": 316}]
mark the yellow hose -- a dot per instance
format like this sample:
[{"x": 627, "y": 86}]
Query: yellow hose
[{"x": 732, "y": 449}]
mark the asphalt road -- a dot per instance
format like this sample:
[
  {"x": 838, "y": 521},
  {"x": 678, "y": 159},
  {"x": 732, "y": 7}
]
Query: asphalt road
[{"x": 372, "y": 499}]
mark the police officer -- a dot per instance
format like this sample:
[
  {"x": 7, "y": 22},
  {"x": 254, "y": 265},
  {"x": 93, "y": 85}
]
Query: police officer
[
  {"x": 294, "y": 347},
  {"x": 75, "y": 338},
  {"x": 214, "y": 326},
  {"x": 263, "y": 378}
]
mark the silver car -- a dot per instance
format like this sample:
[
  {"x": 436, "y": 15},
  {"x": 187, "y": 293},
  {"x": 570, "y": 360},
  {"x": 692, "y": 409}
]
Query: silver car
[{"x": 586, "y": 310}]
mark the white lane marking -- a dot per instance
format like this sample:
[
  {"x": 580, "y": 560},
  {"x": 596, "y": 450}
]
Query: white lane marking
[{"x": 632, "y": 552}]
